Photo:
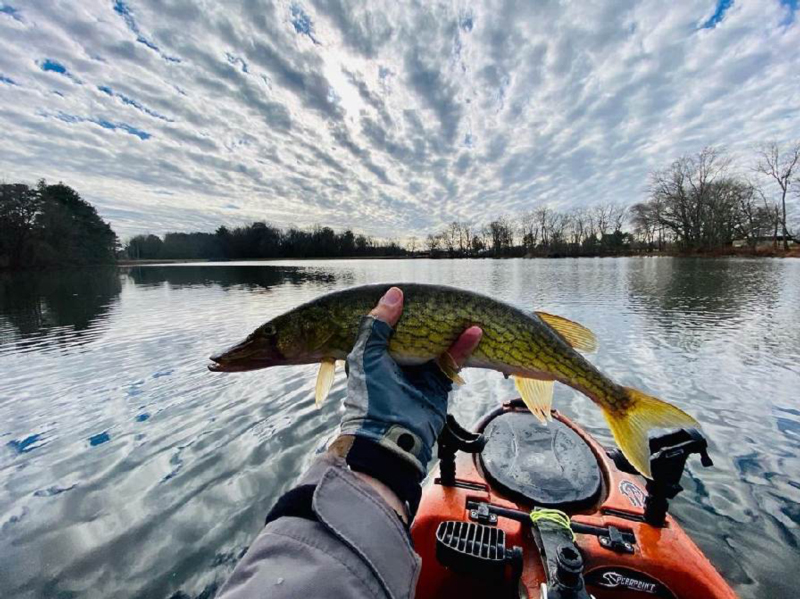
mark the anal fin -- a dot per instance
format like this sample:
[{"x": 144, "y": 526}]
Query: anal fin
[
  {"x": 537, "y": 395},
  {"x": 327, "y": 369}
]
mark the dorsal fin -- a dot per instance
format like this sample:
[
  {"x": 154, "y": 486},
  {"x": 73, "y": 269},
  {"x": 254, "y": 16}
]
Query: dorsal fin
[{"x": 577, "y": 335}]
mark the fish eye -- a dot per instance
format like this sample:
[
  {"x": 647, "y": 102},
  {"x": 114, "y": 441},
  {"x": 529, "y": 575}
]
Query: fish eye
[{"x": 268, "y": 329}]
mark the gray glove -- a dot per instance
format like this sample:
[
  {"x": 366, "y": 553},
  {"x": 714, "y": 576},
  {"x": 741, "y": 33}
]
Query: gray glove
[
  {"x": 401, "y": 409},
  {"x": 393, "y": 415}
]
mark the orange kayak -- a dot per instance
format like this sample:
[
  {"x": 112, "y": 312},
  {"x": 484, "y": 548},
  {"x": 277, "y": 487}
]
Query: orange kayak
[{"x": 600, "y": 529}]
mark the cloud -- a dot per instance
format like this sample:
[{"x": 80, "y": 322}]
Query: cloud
[{"x": 376, "y": 115}]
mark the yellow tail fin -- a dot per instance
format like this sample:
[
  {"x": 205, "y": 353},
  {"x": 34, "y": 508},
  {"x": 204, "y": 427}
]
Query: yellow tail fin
[{"x": 631, "y": 426}]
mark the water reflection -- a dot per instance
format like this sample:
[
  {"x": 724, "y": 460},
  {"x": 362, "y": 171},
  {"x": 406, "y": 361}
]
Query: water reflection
[
  {"x": 689, "y": 287},
  {"x": 65, "y": 304},
  {"x": 249, "y": 277}
]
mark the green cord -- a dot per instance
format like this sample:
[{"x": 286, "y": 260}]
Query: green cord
[{"x": 555, "y": 516}]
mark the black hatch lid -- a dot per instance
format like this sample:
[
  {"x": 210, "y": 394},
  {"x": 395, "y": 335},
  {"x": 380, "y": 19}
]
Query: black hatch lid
[{"x": 549, "y": 466}]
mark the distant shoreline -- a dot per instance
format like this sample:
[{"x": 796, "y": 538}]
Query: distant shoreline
[{"x": 722, "y": 253}]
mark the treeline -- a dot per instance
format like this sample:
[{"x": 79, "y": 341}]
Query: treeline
[
  {"x": 259, "y": 240},
  {"x": 702, "y": 203},
  {"x": 51, "y": 226},
  {"x": 544, "y": 232}
]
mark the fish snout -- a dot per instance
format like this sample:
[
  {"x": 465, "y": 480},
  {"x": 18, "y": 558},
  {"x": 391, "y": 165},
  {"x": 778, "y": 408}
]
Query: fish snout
[{"x": 251, "y": 354}]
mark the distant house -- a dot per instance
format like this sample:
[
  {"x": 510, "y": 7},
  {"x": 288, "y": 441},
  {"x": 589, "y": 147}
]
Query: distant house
[{"x": 763, "y": 241}]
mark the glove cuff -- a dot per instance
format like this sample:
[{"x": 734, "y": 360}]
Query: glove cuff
[{"x": 392, "y": 469}]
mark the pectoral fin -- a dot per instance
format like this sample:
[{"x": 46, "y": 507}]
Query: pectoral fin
[
  {"x": 577, "y": 335},
  {"x": 537, "y": 395},
  {"x": 324, "y": 381},
  {"x": 449, "y": 368}
]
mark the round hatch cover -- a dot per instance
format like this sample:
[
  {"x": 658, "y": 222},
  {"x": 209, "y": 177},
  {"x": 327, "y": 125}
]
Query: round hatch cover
[{"x": 550, "y": 466}]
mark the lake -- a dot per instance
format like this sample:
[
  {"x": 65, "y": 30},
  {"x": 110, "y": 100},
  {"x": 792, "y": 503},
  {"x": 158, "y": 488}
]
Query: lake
[{"x": 129, "y": 470}]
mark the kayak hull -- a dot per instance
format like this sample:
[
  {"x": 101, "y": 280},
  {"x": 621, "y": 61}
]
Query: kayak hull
[{"x": 665, "y": 561}]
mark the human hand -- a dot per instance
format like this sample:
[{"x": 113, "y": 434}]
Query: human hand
[{"x": 401, "y": 409}]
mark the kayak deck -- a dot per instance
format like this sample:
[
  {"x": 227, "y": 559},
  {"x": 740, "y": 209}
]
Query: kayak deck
[{"x": 662, "y": 561}]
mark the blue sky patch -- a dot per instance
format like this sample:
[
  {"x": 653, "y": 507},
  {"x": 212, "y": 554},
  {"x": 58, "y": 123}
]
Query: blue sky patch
[
  {"x": 99, "y": 439},
  {"x": 9, "y": 10},
  {"x": 146, "y": 42},
  {"x": 134, "y": 103},
  {"x": 124, "y": 11},
  {"x": 106, "y": 124},
  {"x": 792, "y": 6},
  {"x": 53, "y": 66},
  {"x": 302, "y": 22},
  {"x": 25, "y": 445},
  {"x": 719, "y": 14},
  {"x": 134, "y": 131},
  {"x": 68, "y": 118}
]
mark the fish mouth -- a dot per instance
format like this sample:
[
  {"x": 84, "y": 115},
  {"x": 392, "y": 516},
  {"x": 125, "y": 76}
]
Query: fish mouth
[{"x": 250, "y": 354}]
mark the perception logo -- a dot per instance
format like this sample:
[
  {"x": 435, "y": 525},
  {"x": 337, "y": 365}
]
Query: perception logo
[
  {"x": 629, "y": 580},
  {"x": 615, "y": 579}
]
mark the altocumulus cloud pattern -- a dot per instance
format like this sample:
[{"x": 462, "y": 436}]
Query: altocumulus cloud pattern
[{"x": 389, "y": 117}]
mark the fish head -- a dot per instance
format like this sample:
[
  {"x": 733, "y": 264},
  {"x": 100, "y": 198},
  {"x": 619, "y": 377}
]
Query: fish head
[{"x": 292, "y": 338}]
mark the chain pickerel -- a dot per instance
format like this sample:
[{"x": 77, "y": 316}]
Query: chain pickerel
[{"x": 535, "y": 348}]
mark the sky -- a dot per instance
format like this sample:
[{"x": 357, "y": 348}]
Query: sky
[{"x": 391, "y": 118}]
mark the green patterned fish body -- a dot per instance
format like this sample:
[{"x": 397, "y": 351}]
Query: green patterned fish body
[{"x": 535, "y": 348}]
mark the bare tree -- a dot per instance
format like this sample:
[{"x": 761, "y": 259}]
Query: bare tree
[
  {"x": 411, "y": 245},
  {"x": 466, "y": 237},
  {"x": 449, "y": 237},
  {"x": 781, "y": 167},
  {"x": 689, "y": 192},
  {"x": 556, "y": 225},
  {"x": 617, "y": 214},
  {"x": 753, "y": 214},
  {"x": 644, "y": 222},
  {"x": 432, "y": 242},
  {"x": 602, "y": 218},
  {"x": 529, "y": 230},
  {"x": 542, "y": 217}
]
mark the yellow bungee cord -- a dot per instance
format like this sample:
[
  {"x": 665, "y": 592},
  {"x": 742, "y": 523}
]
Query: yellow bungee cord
[{"x": 554, "y": 516}]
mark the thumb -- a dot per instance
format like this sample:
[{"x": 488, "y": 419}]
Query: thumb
[{"x": 389, "y": 307}]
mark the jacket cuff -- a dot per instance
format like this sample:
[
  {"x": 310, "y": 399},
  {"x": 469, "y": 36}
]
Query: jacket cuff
[
  {"x": 355, "y": 513},
  {"x": 358, "y": 516},
  {"x": 370, "y": 457}
]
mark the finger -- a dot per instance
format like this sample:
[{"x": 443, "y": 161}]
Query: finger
[
  {"x": 465, "y": 345},
  {"x": 389, "y": 307}
]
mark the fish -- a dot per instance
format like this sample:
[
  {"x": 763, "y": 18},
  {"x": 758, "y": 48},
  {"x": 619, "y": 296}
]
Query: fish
[{"x": 537, "y": 349}]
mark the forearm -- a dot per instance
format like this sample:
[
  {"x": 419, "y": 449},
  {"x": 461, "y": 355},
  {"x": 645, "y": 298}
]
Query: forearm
[{"x": 348, "y": 534}]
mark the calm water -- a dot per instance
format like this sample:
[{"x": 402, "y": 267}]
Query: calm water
[{"x": 128, "y": 470}]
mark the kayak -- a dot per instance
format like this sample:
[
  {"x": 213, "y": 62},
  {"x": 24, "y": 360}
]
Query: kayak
[{"x": 516, "y": 509}]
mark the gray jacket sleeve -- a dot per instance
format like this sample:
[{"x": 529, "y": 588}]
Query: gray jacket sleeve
[{"x": 357, "y": 547}]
